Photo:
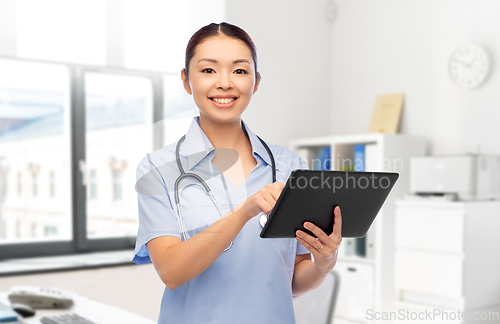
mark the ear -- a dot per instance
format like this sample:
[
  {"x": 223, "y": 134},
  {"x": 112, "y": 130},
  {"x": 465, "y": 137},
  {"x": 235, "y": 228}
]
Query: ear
[
  {"x": 257, "y": 82},
  {"x": 185, "y": 81}
]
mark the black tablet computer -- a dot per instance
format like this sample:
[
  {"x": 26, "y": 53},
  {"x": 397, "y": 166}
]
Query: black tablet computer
[{"x": 311, "y": 195}]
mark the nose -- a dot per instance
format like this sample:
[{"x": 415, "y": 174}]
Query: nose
[{"x": 224, "y": 81}]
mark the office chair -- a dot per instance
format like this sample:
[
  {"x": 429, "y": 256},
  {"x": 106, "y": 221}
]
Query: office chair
[{"x": 318, "y": 306}]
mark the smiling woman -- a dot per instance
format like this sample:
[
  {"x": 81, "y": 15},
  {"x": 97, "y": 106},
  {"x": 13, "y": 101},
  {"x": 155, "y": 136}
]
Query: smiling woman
[
  {"x": 207, "y": 250},
  {"x": 222, "y": 71}
]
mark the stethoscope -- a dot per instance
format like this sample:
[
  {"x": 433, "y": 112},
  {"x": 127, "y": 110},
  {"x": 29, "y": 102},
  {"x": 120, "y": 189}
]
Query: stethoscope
[{"x": 263, "y": 217}]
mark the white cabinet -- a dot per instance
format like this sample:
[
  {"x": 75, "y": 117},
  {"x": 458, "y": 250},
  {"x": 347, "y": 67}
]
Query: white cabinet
[
  {"x": 445, "y": 235},
  {"x": 430, "y": 273},
  {"x": 447, "y": 255},
  {"x": 352, "y": 303},
  {"x": 367, "y": 281}
]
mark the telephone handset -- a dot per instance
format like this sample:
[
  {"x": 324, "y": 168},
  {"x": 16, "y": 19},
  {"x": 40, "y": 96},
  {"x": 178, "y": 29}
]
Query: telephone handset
[{"x": 40, "y": 297}]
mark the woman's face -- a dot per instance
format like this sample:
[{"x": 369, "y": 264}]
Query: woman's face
[{"x": 221, "y": 78}]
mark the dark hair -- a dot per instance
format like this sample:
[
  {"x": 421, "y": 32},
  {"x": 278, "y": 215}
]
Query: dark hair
[{"x": 214, "y": 30}]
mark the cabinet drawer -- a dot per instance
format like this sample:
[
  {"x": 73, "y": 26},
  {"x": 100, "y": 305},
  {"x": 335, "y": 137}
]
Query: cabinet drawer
[
  {"x": 432, "y": 273},
  {"x": 435, "y": 229},
  {"x": 356, "y": 290}
]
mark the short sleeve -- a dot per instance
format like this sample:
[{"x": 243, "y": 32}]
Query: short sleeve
[
  {"x": 300, "y": 248},
  {"x": 156, "y": 214}
]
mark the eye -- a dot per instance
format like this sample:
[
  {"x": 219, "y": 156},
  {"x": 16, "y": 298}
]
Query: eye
[
  {"x": 241, "y": 71},
  {"x": 208, "y": 70}
]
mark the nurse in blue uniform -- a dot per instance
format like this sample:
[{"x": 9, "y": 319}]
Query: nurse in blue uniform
[{"x": 218, "y": 269}]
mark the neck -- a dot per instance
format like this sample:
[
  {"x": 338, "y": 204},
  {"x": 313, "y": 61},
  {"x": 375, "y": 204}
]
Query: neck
[{"x": 224, "y": 135}]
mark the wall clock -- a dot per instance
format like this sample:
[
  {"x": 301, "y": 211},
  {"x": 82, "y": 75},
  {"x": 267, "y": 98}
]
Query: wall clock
[{"x": 469, "y": 66}]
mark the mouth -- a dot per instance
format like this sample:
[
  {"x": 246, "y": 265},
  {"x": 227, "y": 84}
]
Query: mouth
[{"x": 223, "y": 100}]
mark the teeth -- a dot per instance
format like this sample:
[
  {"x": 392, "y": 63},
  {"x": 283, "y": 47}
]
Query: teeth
[{"x": 223, "y": 101}]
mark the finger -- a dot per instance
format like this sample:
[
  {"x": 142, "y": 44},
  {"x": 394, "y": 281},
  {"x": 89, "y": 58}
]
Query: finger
[
  {"x": 278, "y": 184},
  {"x": 270, "y": 200},
  {"x": 275, "y": 191},
  {"x": 266, "y": 206},
  {"x": 309, "y": 247},
  {"x": 272, "y": 194},
  {"x": 337, "y": 222},
  {"x": 310, "y": 240},
  {"x": 320, "y": 234}
]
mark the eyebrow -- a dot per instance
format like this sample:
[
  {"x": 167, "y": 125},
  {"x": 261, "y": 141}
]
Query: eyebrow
[{"x": 234, "y": 62}]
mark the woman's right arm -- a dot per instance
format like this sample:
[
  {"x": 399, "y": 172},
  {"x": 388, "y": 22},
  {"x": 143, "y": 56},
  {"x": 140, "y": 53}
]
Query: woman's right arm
[{"x": 177, "y": 262}]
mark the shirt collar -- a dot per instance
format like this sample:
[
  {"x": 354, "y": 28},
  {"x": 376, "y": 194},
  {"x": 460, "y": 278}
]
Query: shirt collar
[{"x": 198, "y": 146}]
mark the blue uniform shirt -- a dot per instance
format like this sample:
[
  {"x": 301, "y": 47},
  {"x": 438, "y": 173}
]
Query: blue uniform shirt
[{"x": 252, "y": 281}]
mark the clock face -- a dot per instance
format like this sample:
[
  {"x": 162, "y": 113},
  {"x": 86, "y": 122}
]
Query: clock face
[{"x": 469, "y": 66}]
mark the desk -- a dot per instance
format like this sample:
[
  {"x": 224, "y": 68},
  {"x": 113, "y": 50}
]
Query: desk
[{"x": 94, "y": 311}]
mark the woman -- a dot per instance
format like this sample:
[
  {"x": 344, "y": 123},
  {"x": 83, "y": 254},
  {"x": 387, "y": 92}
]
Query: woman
[{"x": 218, "y": 269}]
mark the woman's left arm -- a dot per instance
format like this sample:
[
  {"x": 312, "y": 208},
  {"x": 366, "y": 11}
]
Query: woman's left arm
[{"x": 309, "y": 275}]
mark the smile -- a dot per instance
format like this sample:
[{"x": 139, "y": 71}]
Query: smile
[{"x": 223, "y": 100}]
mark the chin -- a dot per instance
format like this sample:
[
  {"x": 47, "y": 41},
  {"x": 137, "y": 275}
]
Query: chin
[{"x": 222, "y": 116}]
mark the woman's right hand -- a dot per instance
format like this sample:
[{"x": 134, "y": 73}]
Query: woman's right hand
[{"x": 262, "y": 201}]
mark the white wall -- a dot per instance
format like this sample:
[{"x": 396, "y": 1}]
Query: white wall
[
  {"x": 293, "y": 47},
  {"x": 388, "y": 46}
]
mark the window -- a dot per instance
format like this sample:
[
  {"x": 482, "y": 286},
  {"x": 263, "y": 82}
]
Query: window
[
  {"x": 35, "y": 136},
  {"x": 52, "y": 188},
  {"x": 118, "y": 134},
  {"x": 3, "y": 183},
  {"x": 117, "y": 185},
  {"x": 35, "y": 183},
  {"x": 19, "y": 184},
  {"x": 18, "y": 229},
  {"x": 39, "y": 117},
  {"x": 3, "y": 229},
  {"x": 50, "y": 231},
  {"x": 179, "y": 110}
]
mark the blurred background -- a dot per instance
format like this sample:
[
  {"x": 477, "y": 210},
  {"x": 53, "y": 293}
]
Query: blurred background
[{"x": 88, "y": 88}]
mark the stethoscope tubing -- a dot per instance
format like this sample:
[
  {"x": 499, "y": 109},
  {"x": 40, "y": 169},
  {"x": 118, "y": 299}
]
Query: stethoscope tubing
[{"x": 185, "y": 175}]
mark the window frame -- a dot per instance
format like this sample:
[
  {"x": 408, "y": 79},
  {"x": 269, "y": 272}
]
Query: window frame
[{"x": 80, "y": 243}]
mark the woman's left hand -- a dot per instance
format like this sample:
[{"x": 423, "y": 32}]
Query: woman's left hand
[{"x": 324, "y": 248}]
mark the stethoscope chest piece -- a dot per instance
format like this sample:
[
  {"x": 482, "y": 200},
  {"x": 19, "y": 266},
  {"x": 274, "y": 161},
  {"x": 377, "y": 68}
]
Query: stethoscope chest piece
[{"x": 263, "y": 220}]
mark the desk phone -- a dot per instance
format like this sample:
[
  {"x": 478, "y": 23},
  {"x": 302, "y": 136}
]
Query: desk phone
[{"x": 40, "y": 297}]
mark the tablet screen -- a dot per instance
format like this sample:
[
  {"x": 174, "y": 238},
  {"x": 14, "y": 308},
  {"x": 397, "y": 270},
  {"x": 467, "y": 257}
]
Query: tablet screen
[{"x": 311, "y": 195}]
